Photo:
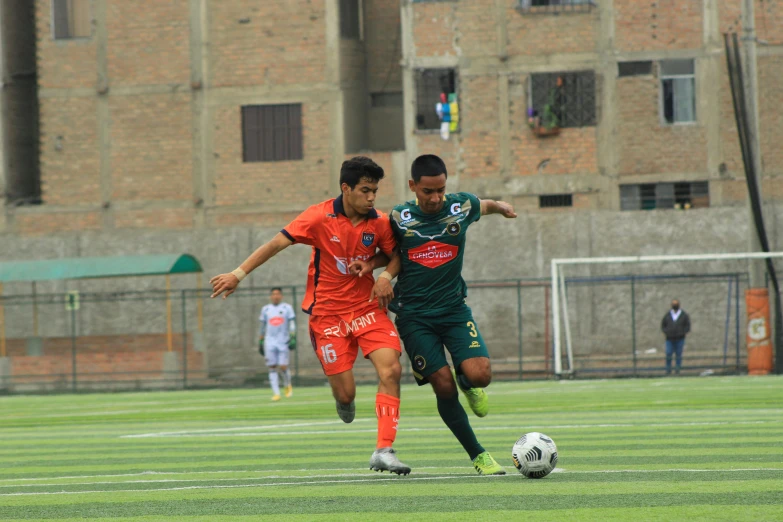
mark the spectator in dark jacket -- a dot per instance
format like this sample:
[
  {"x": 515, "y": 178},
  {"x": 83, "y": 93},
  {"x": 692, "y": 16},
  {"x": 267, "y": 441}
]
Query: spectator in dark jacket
[{"x": 675, "y": 325}]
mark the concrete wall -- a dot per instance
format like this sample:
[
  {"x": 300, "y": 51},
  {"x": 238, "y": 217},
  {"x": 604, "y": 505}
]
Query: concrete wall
[{"x": 497, "y": 249}]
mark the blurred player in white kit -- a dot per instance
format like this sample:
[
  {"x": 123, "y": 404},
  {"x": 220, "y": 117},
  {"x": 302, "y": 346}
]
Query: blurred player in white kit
[{"x": 276, "y": 338}]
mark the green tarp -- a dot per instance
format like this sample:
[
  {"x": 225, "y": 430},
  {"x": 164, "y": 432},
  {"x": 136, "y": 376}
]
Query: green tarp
[{"x": 94, "y": 267}]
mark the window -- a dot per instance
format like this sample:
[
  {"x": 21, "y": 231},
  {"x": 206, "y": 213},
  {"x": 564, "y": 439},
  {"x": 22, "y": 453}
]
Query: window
[
  {"x": 386, "y": 99},
  {"x": 272, "y": 132},
  {"x": 649, "y": 196},
  {"x": 430, "y": 84},
  {"x": 634, "y": 68},
  {"x": 350, "y": 19},
  {"x": 566, "y": 98},
  {"x": 555, "y": 200},
  {"x": 678, "y": 91},
  {"x": 554, "y": 6},
  {"x": 71, "y": 19}
]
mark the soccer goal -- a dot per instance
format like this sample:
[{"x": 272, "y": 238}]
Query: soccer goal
[{"x": 607, "y": 311}]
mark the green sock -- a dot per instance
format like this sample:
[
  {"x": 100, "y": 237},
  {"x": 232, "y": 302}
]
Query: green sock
[
  {"x": 463, "y": 382},
  {"x": 453, "y": 414}
]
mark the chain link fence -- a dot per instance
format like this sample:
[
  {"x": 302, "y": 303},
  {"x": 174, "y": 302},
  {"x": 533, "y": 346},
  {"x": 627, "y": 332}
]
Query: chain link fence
[{"x": 159, "y": 339}]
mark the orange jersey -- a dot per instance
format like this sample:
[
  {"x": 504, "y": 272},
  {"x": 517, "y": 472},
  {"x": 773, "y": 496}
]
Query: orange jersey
[{"x": 336, "y": 243}]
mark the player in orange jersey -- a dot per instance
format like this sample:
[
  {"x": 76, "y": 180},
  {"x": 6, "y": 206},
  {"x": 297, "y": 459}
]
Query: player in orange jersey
[{"x": 341, "y": 231}]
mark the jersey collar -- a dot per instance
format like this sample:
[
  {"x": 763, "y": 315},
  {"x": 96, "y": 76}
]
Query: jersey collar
[{"x": 339, "y": 208}]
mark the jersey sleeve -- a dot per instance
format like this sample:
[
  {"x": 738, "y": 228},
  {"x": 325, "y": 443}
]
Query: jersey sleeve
[
  {"x": 303, "y": 228},
  {"x": 262, "y": 315},
  {"x": 395, "y": 228},
  {"x": 290, "y": 313},
  {"x": 386, "y": 241},
  {"x": 475, "y": 206}
]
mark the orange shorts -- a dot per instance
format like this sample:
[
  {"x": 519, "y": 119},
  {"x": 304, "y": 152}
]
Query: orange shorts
[{"x": 337, "y": 338}]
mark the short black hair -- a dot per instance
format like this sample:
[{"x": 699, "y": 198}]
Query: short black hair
[
  {"x": 276, "y": 288},
  {"x": 356, "y": 168},
  {"x": 427, "y": 165}
]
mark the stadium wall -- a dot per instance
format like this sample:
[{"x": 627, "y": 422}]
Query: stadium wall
[{"x": 497, "y": 249}]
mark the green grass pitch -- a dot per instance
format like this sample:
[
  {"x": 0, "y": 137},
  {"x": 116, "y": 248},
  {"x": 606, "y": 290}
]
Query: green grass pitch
[{"x": 655, "y": 449}]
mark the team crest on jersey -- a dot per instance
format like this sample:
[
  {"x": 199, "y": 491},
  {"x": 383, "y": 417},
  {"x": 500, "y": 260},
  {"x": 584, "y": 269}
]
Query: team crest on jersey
[
  {"x": 419, "y": 362},
  {"x": 368, "y": 238},
  {"x": 453, "y": 229}
]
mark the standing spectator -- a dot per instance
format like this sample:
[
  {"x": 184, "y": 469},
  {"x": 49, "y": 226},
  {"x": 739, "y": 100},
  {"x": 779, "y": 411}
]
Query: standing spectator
[
  {"x": 276, "y": 336},
  {"x": 675, "y": 325}
]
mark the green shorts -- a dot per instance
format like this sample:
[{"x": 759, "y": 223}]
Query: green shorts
[{"x": 426, "y": 337}]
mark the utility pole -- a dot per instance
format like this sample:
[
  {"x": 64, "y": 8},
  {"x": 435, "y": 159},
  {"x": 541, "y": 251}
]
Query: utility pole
[{"x": 750, "y": 79}]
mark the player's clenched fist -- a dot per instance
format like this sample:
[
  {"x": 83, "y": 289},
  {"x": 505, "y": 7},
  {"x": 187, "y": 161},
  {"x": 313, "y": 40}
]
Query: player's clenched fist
[{"x": 223, "y": 283}]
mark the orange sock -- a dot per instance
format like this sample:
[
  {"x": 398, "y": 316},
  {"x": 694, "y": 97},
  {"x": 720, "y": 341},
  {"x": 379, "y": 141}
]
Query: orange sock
[{"x": 387, "y": 409}]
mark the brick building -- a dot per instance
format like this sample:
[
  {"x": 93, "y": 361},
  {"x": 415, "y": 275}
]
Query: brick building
[
  {"x": 202, "y": 126},
  {"x": 196, "y": 113}
]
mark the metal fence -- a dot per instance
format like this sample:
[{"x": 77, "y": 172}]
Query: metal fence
[{"x": 179, "y": 339}]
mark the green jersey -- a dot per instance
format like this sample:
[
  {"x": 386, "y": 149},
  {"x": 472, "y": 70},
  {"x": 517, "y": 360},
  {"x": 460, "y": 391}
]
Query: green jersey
[{"x": 432, "y": 247}]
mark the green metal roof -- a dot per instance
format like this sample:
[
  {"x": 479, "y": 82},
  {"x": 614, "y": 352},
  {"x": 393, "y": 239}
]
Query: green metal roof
[{"x": 94, "y": 267}]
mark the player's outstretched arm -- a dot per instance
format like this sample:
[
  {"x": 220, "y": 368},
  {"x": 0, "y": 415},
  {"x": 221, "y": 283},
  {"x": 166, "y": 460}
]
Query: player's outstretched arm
[
  {"x": 226, "y": 284},
  {"x": 489, "y": 206}
]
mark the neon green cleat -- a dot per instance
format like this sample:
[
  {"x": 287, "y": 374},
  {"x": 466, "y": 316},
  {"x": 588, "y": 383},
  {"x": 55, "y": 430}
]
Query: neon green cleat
[
  {"x": 477, "y": 398},
  {"x": 486, "y": 465}
]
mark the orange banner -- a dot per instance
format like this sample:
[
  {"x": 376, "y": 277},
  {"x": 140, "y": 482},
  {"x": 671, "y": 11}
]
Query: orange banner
[{"x": 758, "y": 332}]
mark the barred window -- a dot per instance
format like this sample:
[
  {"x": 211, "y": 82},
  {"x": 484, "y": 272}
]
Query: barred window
[
  {"x": 649, "y": 196},
  {"x": 272, "y": 132},
  {"x": 430, "y": 84},
  {"x": 568, "y": 97},
  {"x": 555, "y": 200},
  {"x": 71, "y": 19},
  {"x": 555, "y": 6},
  {"x": 642, "y": 68}
]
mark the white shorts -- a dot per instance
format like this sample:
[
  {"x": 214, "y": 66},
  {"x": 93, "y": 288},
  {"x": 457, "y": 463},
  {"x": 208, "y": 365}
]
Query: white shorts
[{"x": 276, "y": 355}]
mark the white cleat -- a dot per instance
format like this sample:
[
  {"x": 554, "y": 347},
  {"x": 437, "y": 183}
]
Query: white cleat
[
  {"x": 385, "y": 459},
  {"x": 346, "y": 413}
]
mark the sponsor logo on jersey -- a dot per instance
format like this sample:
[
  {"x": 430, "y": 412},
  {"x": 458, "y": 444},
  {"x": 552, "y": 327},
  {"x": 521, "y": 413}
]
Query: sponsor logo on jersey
[
  {"x": 335, "y": 239},
  {"x": 368, "y": 238},
  {"x": 405, "y": 216},
  {"x": 475, "y": 344},
  {"x": 276, "y": 320},
  {"x": 433, "y": 254},
  {"x": 453, "y": 229},
  {"x": 343, "y": 262},
  {"x": 456, "y": 208},
  {"x": 345, "y": 328},
  {"x": 419, "y": 362}
]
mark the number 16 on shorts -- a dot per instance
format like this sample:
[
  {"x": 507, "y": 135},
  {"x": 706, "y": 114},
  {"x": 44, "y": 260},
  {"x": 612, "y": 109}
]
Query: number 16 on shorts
[{"x": 330, "y": 356}]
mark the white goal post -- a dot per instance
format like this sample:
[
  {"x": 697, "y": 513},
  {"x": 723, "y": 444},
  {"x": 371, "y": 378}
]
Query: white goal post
[{"x": 560, "y": 303}]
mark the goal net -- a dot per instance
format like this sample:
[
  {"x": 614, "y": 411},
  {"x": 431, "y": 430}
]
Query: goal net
[{"x": 607, "y": 312}]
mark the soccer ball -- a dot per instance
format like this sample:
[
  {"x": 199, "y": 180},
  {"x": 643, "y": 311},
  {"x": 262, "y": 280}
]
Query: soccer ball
[{"x": 534, "y": 455}]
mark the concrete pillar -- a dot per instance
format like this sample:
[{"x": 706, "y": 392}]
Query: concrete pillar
[
  {"x": 5, "y": 373},
  {"x": 203, "y": 195},
  {"x": 172, "y": 372},
  {"x": 104, "y": 122}
]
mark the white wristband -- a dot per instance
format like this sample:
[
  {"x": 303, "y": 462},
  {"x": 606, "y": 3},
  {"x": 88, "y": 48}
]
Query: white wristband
[
  {"x": 239, "y": 274},
  {"x": 386, "y": 275}
]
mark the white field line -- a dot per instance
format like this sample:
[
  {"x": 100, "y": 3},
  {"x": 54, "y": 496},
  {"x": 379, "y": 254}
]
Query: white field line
[
  {"x": 240, "y": 428},
  {"x": 450, "y": 476},
  {"x": 219, "y": 472},
  {"x": 248, "y": 430},
  {"x": 289, "y": 477}
]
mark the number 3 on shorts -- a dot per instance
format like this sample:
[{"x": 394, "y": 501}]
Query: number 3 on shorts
[
  {"x": 330, "y": 355},
  {"x": 472, "y": 326}
]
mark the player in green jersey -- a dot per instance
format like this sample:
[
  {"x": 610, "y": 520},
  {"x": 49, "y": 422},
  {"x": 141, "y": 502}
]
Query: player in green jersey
[{"x": 429, "y": 298}]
